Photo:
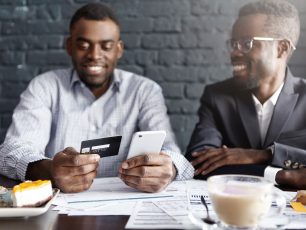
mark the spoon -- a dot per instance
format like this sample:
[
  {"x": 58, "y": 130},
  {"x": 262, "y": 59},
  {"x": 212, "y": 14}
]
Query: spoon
[{"x": 207, "y": 219}]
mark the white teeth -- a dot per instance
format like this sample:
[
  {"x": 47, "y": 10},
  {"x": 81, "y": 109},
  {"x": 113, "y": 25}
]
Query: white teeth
[
  {"x": 95, "y": 68},
  {"x": 239, "y": 67}
]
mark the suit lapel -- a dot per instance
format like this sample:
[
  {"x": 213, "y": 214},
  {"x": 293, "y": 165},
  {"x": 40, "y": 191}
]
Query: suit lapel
[
  {"x": 282, "y": 111},
  {"x": 248, "y": 117}
]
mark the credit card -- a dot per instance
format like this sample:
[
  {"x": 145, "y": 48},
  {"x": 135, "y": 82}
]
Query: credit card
[{"x": 105, "y": 147}]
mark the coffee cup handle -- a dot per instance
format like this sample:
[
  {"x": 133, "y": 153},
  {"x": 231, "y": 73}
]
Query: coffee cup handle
[{"x": 275, "y": 218}]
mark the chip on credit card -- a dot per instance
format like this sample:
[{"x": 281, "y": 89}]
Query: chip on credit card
[{"x": 105, "y": 147}]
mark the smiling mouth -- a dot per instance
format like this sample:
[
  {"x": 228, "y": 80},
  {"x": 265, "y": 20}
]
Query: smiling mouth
[
  {"x": 239, "y": 67},
  {"x": 94, "y": 69}
]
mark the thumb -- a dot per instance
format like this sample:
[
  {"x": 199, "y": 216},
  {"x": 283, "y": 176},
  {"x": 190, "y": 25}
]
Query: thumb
[{"x": 70, "y": 151}]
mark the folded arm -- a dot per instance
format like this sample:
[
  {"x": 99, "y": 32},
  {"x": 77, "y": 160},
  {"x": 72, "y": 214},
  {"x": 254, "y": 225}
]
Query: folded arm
[
  {"x": 209, "y": 160},
  {"x": 207, "y": 151}
]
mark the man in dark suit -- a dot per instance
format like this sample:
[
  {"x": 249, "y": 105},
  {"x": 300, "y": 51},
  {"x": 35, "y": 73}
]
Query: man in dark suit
[{"x": 255, "y": 122}]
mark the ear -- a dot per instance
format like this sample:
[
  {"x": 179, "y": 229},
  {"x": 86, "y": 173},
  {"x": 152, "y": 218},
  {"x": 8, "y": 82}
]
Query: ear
[
  {"x": 69, "y": 46},
  {"x": 284, "y": 49},
  {"x": 120, "y": 47}
]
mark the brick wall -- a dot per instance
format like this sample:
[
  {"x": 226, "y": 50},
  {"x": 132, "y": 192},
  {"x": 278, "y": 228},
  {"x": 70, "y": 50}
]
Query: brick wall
[{"x": 177, "y": 43}]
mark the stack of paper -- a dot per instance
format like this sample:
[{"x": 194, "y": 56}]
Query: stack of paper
[
  {"x": 110, "y": 196},
  {"x": 169, "y": 209}
]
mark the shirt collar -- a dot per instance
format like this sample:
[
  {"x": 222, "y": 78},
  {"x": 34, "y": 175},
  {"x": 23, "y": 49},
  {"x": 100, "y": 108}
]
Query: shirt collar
[
  {"x": 273, "y": 98},
  {"x": 76, "y": 80},
  {"x": 117, "y": 80}
]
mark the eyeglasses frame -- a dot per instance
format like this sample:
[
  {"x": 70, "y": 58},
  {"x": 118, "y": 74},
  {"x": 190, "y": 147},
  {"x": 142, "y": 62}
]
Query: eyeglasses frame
[{"x": 237, "y": 44}]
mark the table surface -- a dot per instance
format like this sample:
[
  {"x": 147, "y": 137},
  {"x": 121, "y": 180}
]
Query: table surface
[{"x": 52, "y": 221}]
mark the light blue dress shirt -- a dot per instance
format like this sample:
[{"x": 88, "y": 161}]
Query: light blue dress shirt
[{"x": 57, "y": 111}]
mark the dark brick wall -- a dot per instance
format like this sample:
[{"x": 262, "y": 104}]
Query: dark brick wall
[{"x": 178, "y": 43}]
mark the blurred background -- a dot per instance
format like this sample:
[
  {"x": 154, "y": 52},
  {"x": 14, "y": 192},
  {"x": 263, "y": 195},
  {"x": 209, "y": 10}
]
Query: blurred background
[{"x": 178, "y": 43}]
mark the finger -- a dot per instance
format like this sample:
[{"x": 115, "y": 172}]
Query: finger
[
  {"x": 77, "y": 159},
  {"x": 204, "y": 152},
  {"x": 77, "y": 183},
  {"x": 195, "y": 154},
  {"x": 213, "y": 165},
  {"x": 76, "y": 188},
  {"x": 207, "y": 164},
  {"x": 150, "y": 189},
  {"x": 149, "y": 171},
  {"x": 198, "y": 153},
  {"x": 70, "y": 171},
  {"x": 80, "y": 170},
  {"x": 145, "y": 184},
  {"x": 208, "y": 154},
  {"x": 164, "y": 155},
  {"x": 146, "y": 159},
  {"x": 70, "y": 151},
  {"x": 202, "y": 158}
]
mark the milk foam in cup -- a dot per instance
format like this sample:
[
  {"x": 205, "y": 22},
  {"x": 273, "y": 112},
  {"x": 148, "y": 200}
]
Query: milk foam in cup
[{"x": 240, "y": 201}]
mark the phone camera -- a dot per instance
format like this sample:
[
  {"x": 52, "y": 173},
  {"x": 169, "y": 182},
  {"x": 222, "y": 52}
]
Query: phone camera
[{"x": 140, "y": 135}]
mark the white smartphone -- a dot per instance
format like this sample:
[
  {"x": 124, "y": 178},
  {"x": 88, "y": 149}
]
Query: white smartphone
[{"x": 146, "y": 142}]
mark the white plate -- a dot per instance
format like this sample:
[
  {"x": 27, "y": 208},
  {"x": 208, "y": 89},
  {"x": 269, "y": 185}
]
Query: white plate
[{"x": 23, "y": 212}]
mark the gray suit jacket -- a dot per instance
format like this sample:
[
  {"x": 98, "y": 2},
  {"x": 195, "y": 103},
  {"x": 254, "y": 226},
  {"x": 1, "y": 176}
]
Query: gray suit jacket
[{"x": 228, "y": 116}]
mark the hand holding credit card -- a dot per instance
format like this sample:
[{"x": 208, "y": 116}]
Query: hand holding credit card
[{"x": 105, "y": 147}]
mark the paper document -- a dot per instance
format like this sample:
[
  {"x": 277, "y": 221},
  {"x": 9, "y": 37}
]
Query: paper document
[
  {"x": 149, "y": 216},
  {"x": 169, "y": 213},
  {"x": 111, "y": 189},
  {"x": 175, "y": 211},
  {"x": 120, "y": 208},
  {"x": 164, "y": 210},
  {"x": 110, "y": 196}
]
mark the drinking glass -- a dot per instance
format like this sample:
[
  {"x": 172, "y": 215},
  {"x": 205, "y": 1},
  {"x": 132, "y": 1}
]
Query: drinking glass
[{"x": 241, "y": 201}]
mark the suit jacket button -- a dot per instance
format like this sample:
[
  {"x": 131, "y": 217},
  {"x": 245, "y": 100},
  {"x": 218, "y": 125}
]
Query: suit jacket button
[
  {"x": 287, "y": 163},
  {"x": 295, "y": 165}
]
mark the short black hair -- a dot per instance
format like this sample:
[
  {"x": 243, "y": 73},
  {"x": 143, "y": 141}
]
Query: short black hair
[
  {"x": 94, "y": 11},
  {"x": 282, "y": 18}
]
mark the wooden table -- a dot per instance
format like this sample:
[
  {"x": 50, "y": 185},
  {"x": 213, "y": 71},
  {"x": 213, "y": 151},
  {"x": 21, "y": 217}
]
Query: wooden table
[{"x": 52, "y": 221}]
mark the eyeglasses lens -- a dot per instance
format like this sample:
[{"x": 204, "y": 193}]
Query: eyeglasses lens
[{"x": 243, "y": 45}]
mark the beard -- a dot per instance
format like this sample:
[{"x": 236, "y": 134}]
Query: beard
[
  {"x": 95, "y": 85},
  {"x": 93, "y": 81},
  {"x": 251, "y": 83}
]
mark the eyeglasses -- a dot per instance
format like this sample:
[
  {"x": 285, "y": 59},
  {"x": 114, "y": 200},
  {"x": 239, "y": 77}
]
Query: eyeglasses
[{"x": 246, "y": 44}]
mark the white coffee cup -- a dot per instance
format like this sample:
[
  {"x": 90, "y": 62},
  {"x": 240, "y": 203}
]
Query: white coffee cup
[{"x": 240, "y": 201}]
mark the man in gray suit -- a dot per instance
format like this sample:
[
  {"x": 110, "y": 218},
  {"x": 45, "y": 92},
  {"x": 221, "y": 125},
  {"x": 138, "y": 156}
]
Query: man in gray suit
[{"x": 255, "y": 122}]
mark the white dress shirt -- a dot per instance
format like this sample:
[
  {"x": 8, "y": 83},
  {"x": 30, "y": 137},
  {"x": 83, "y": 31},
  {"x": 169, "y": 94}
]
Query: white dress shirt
[
  {"x": 264, "y": 115},
  {"x": 57, "y": 111}
]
